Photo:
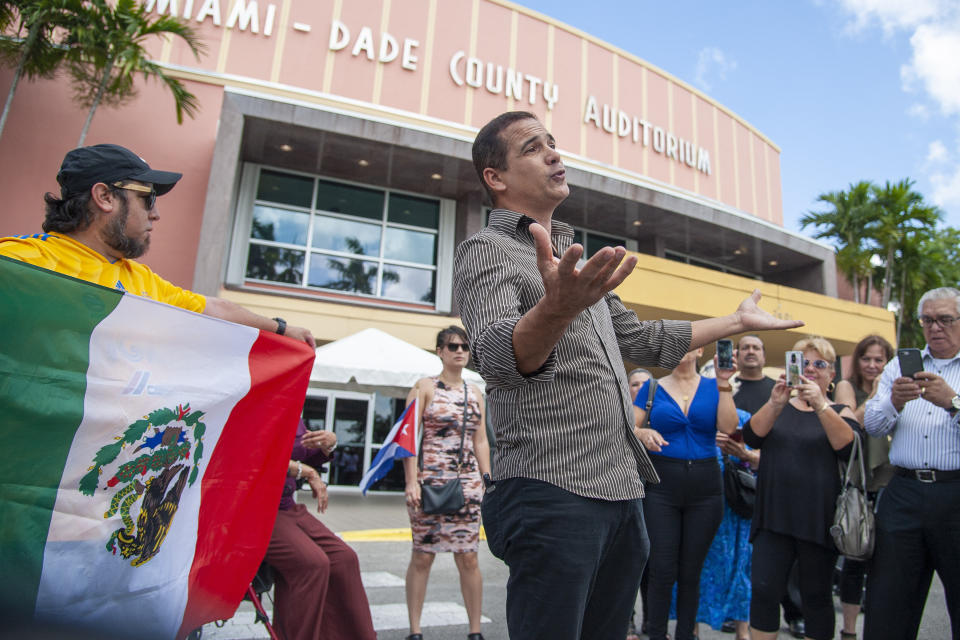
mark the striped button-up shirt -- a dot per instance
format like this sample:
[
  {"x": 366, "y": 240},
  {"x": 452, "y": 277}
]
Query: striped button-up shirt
[
  {"x": 924, "y": 436},
  {"x": 571, "y": 422}
]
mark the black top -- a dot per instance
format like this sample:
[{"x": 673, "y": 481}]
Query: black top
[
  {"x": 799, "y": 479},
  {"x": 753, "y": 394}
]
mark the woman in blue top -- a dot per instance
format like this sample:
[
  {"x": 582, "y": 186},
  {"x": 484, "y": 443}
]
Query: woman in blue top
[{"x": 683, "y": 511}]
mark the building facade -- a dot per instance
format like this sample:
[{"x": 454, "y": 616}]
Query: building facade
[{"x": 328, "y": 175}]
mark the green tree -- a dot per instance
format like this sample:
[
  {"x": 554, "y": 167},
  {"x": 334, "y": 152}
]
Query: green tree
[
  {"x": 108, "y": 52},
  {"x": 31, "y": 45},
  {"x": 900, "y": 211},
  {"x": 846, "y": 224},
  {"x": 930, "y": 258}
]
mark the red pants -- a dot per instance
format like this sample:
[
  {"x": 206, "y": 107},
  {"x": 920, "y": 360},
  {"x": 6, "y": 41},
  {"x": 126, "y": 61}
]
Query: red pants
[{"x": 318, "y": 589}]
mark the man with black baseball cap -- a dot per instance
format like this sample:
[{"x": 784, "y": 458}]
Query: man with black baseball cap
[{"x": 95, "y": 229}]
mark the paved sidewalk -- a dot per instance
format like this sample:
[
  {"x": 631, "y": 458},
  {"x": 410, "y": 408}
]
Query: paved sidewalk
[{"x": 376, "y": 526}]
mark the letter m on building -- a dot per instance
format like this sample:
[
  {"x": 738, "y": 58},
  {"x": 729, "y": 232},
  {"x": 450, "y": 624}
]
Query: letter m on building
[{"x": 168, "y": 7}]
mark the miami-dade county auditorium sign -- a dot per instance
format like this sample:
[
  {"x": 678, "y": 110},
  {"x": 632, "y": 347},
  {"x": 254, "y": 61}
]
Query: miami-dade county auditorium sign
[{"x": 449, "y": 66}]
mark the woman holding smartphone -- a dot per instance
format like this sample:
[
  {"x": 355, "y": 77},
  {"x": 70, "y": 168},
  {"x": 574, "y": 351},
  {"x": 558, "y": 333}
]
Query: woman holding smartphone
[
  {"x": 683, "y": 511},
  {"x": 801, "y": 439}
]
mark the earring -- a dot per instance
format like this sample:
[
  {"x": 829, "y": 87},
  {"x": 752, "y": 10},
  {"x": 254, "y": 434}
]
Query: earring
[{"x": 831, "y": 387}]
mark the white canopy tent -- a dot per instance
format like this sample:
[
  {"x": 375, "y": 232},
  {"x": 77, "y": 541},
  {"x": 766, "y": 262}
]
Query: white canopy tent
[{"x": 373, "y": 360}]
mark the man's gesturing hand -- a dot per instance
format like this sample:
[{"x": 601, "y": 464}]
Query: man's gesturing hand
[{"x": 570, "y": 290}]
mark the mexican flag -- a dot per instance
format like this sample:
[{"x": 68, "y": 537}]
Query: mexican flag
[{"x": 145, "y": 451}]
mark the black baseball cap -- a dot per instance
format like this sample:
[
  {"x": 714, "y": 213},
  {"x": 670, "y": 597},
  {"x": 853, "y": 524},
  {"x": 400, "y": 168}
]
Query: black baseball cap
[{"x": 108, "y": 163}]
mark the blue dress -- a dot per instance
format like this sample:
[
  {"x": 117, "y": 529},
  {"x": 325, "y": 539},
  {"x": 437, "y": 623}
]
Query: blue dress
[{"x": 725, "y": 578}]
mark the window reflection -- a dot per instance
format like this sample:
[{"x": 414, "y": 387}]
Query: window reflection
[
  {"x": 285, "y": 188},
  {"x": 337, "y": 234},
  {"x": 342, "y": 274},
  {"x": 415, "y": 285},
  {"x": 279, "y": 225},
  {"x": 275, "y": 264},
  {"x": 410, "y": 246},
  {"x": 344, "y": 198},
  {"x": 315, "y": 413},
  {"x": 347, "y": 465},
  {"x": 419, "y": 212}
]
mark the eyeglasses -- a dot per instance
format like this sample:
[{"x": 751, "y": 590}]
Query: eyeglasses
[
  {"x": 453, "y": 347},
  {"x": 150, "y": 196},
  {"x": 944, "y": 321},
  {"x": 818, "y": 364}
]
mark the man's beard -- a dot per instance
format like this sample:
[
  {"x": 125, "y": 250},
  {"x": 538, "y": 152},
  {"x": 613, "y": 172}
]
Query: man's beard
[{"x": 115, "y": 236}]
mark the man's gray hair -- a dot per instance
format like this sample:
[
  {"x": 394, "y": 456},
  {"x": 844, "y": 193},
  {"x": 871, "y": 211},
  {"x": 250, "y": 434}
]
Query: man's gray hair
[{"x": 939, "y": 294}]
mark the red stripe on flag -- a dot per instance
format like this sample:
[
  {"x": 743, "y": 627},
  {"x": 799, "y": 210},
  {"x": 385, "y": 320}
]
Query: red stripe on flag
[{"x": 244, "y": 479}]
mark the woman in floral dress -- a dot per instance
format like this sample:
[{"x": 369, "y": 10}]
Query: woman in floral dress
[{"x": 442, "y": 405}]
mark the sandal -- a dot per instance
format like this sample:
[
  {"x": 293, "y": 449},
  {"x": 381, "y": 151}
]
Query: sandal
[{"x": 414, "y": 636}]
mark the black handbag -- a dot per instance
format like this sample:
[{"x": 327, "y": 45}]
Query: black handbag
[
  {"x": 739, "y": 488},
  {"x": 446, "y": 497}
]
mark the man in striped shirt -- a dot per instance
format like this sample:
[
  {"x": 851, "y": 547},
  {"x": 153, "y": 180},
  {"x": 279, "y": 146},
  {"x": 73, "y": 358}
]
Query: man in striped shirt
[
  {"x": 918, "y": 517},
  {"x": 549, "y": 337},
  {"x": 103, "y": 220}
]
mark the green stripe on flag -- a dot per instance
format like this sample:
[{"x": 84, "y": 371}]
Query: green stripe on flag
[{"x": 45, "y": 325}]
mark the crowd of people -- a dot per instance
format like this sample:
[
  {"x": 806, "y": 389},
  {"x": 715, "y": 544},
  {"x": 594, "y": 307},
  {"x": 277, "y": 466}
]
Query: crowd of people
[{"x": 594, "y": 475}]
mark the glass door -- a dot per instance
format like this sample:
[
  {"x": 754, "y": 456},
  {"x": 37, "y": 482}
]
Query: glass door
[{"x": 347, "y": 414}]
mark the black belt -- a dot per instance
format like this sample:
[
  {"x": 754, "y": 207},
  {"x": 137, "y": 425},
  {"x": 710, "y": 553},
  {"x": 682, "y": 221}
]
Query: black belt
[{"x": 928, "y": 475}]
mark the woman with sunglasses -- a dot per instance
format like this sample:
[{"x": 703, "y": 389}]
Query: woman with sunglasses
[
  {"x": 870, "y": 356},
  {"x": 801, "y": 436},
  {"x": 452, "y": 412}
]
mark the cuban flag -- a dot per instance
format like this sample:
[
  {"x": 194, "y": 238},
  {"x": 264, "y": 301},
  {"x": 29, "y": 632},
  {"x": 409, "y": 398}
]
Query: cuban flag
[{"x": 400, "y": 443}]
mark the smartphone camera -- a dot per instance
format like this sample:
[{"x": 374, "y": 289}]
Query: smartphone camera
[
  {"x": 794, "y": 368},
  {"x": 724, "y": 354}
]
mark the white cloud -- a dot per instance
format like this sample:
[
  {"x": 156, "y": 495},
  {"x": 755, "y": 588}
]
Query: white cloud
[
  {"x": 712, "y": 64},
  {"x": 918, "y": 111},
  {"x": 895, "y": 14},
  {"x": 936, "y": 50},
  {"x": 937, "y": 153},
  {"x": 946, "y": 188}
]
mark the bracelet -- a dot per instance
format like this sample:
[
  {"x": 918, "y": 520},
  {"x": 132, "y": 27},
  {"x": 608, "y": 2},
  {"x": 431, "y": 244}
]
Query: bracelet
[
  {"x": 299, "y": 469},
  {"x": 823, "y": 408},
  {"x": 724, "y": 387},
  {"x": 281, "y": 325}
]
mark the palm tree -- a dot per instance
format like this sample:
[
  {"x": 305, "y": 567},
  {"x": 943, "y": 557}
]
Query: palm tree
[
  {"x": 108, "y": 52},
  {"x": 928, "y": 259},
  {"x": 900, "y": 210},
  {"x": 853, "y": 211},
  {"x": 31, "y": 45}
]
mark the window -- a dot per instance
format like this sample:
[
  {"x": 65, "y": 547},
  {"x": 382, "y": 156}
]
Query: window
[
  {"x": 313, "y": 233},
  {"x": 707, "y": 264}
]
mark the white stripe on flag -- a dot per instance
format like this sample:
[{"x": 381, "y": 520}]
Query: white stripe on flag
[{"x": 187, "y": 358}]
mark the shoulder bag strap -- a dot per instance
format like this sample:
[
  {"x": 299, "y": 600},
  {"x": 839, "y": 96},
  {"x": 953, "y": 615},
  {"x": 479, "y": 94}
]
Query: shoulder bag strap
[
  {"x": 652, "y": 390},
  {"x": 463, "y": 426},
  {"x": 856, "y": 458}
]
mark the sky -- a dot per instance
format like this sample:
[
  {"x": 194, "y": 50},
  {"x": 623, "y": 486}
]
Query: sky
[{"x": 849, "y": 90}]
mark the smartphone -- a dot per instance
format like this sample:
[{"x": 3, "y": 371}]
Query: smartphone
[
  {"x": 794, "y": 367},
  {"x": 737, "y": 436},
  {"x": 911, "y": 362},
  {"x": 724, "y": 354}
]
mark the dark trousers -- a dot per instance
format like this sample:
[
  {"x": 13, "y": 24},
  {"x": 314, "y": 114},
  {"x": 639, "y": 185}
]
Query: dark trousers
[
  {"x": 574, "y": 562},
  {"x": 682, "y": 514},
  {"x": 918, "y": 532},
  {"x": 773, "y": 556},
  {"x": 318, "y": 589}
]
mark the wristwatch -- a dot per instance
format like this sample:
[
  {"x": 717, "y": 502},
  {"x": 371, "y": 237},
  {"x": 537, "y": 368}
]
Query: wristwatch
[
  {"x": 954, "y": 405},
  {"x": 281, "y": 325},
  {"x": 488, "y": 481}
]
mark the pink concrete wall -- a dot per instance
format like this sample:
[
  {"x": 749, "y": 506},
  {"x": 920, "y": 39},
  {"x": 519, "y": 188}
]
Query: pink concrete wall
[{"x": 44, "y": 124}]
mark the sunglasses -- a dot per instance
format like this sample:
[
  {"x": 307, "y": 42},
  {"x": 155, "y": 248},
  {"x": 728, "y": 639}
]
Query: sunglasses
[
  {"x": 453, "y": 347},
  {"x": 817, "y": 364},
  {"x": 150, "y": 194}
]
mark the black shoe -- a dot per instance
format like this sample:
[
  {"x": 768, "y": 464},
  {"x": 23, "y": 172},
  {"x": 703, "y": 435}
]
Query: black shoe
[
  {"x": 797, "y": 628},
  {"x": 475, "y": 636},
  {"x": 729, "y": 627},
  {"x": 414, "y": 636}
]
